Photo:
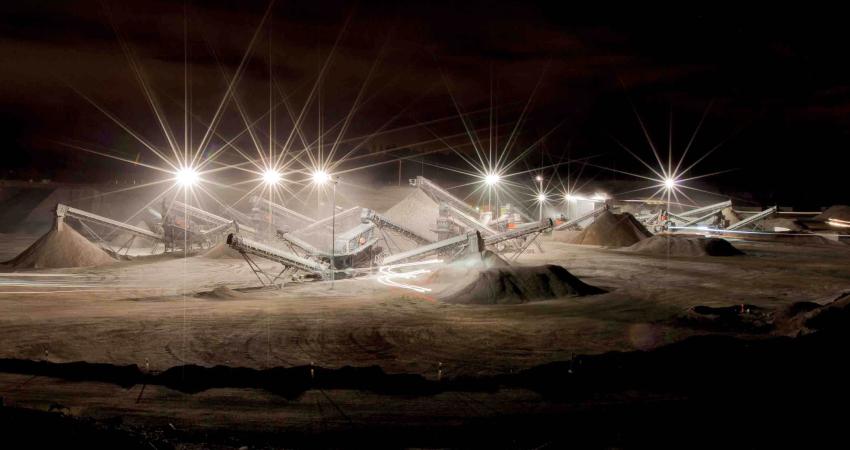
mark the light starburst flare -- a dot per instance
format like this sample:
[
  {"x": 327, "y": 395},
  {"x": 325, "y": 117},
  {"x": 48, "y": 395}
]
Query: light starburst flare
[
  {"x": 272, "y": 177},
  {"x": 321, "y": 177},
  {"x": 670, "y": 178},
  {"x": 187, "y": 176},
  {"x": 492, "y": 179}
]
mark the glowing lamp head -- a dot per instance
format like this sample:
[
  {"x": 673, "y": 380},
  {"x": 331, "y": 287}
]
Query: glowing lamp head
[
  {"x": 541, "y": 197},
  {"x": 187, "y": 176},
  {"x": 538, "y": 178},
  {"x": 669, "y": 183},
  {"x": 272, "y": 177},
  {"x": 321, "y": 177},
  {"x": 492, "y": 179},
  {"x": 569, "y": 197}
]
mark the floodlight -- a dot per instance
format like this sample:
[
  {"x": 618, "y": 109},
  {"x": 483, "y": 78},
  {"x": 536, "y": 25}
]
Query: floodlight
[
  {"x": 321, "y": 177},
  {"x": 187, "y": 176},
  {"x": 271, "y": 177}
]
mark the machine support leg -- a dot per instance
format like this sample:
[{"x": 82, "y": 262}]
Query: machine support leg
[{"x": 525, "y": 246}]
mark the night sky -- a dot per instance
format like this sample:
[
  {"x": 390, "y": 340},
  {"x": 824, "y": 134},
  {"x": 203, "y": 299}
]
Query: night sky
[{"x": 777, "y": 82}]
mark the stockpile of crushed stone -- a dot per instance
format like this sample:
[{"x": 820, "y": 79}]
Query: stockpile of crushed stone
[
  {"x": 730, "y": 215},
  {"x": 221, "y": 293},
  {"x": 781, "y": 224},
  {"x": 793, "y": 320},
  {"x": 459, "y": 272},
  {"x": 221, "y": 251},
  {"x": 612, "y": 230},
  {"x": 684, "y": 245},
  {"x": 491, "y": 259},
  {"x": 808, "y": 317},
  {"x": 568, "y": 236},
  {"x": 741, "y": 318},
  {"x": 120, "y": 239},
  {"x": 416, "y": 212},
  {"x": 514, "y": 285},
  {"x": 61, "y": 247},
  {"x": 319, "y": 235},
  {"x": 840, "y": 212}
]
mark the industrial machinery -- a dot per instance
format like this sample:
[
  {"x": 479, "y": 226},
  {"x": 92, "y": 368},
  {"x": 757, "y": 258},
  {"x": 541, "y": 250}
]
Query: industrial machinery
[
  {"x": 574, "y": 223},
  {"x": 523, "y": 235},
  {"x": 753, "y": 219},
  {"x": 450, "y": 248},
  {"x": 291, "y": 263},
  {"x": 465, "y": 244},
  {"x": 383, "y": 222},
  {"x": 708, "y": 216},
  {"x": 179, "y": 226},
  {"x": 271, "y": 218},
  {"x": 86, "y": 218},
  {"x": 456, "y": 217}
]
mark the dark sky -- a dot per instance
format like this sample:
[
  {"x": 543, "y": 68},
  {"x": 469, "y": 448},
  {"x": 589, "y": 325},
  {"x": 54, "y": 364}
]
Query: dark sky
[{"x": 777, "y": 81}]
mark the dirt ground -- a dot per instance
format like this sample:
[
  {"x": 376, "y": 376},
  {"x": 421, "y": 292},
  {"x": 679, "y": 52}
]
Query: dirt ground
[{"x": 158, "y": 313}]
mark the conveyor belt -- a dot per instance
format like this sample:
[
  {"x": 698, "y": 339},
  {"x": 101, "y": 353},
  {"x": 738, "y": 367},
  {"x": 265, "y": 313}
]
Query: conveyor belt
[
  {"x": 469, "y": 242},
  {"x": 752, "y": 219},
  {"x": 210, "y": 218},
  {"x": 247, "y": 246},
  {"x": 573, "y": 222},
  {"x": 381, "y": 221},
  {"x": 706, "y": 209},
  {"x": 67, "y": 211},
  {"x": 519, "y": 232}
]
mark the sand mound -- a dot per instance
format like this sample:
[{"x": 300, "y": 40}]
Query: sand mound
[
  {"x": 417, "y": 212},
  {"x": 121, "y": 239},
  {"x": 781, "y": 224},
  {"x": 612, "y": 230},
  {"x": 221, "y": 251},
  {"x": 568, "y": 236},
  {"x": 796, "y": 319},
  {"x": 492, "y": 259},
  {"x": 222, "y": 293},
  {"x": 730, "y": 215},
  {"x": 318, "y": 234},
  {"x": 459, "y": 272},
  {"x": 742, "y": 318},
  {"x": 513, "y": 285},
  {"x": 807, "y": 317},
  {"x": 840, "y": 212},
  {"x": 61, "y": 247},
  {"x": 676, "y": 245}
]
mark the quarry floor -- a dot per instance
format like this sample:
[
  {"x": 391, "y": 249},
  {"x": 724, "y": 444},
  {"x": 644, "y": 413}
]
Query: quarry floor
[{"x": 159, "y": 313}]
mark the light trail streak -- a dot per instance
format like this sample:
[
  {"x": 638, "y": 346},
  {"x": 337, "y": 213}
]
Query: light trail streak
[
  {"x": 708, "y": 230},
  {"x": 65, "y": 282},
  {"x": 387, "y": 275}
]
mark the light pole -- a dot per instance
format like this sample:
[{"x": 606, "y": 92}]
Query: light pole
[
  {"x": 333, "y": 229},
  {"x": 491, "y": 180},
  {"x": 320, "y": 177},
  {"x": 541, "y": 197},
  {"x": 271, "y": 178}
]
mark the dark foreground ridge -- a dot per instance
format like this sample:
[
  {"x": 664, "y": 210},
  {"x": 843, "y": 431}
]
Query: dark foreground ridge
[{"x": 696, "y": 393}]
